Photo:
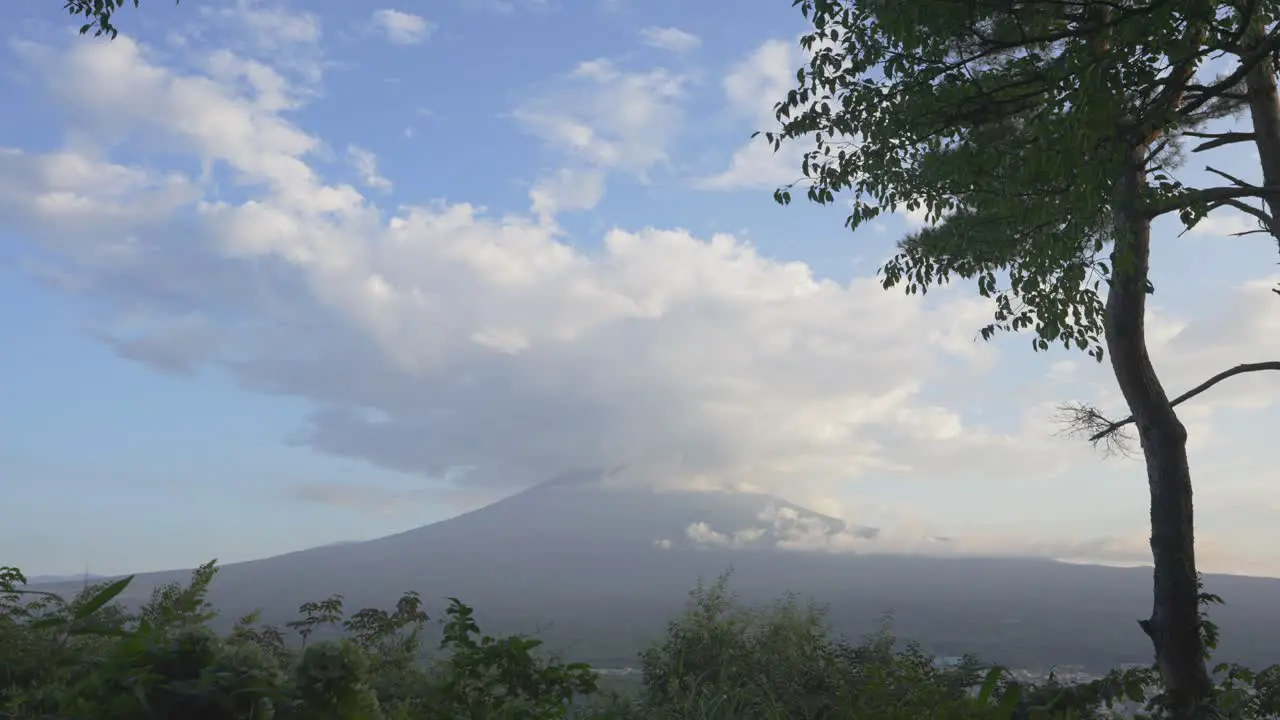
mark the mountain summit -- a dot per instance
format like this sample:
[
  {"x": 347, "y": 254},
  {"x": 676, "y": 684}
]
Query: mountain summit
[
  {"x": 581, "y": 505},
  {"x": 597, "y": 569}
]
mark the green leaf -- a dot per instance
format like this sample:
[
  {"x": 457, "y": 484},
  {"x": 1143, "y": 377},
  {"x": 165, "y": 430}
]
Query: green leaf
[
  {"x": 1134, "y": 692},
  {"x": 101, "y": 598},
  {"x": 989, "y": 685},
  {"x": 1009, "y": 702},
  {"x": 45, "y": 623}
]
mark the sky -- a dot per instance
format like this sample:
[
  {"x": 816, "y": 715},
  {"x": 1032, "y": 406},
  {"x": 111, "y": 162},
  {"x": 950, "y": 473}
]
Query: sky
[{"x": 274, "y": 275}]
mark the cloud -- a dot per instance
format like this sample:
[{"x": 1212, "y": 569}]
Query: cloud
[
  {"x": 442, "y": 336},
  {"x": 1235, "y": 326},
  {"x": 401, "y": 28},
  {"x": 566, "y": 190},
  {"x": 1224, "y": 222},
  {"x": 439, "y": 336},
  {"x": 751, "y": 88},
  {"x": 669, "y": 38},
  {"x": 702, "y": 534},
  {"x": 381, "y": 500},
  {"x": 289, "y": 39},
  {"x": 268, "y": 27},
  {"x": 608, "y": 117},
  {"x": 784, "y": 528},
  {"x": 505, "y": 7},
  {"x": 1238, "y": 326},
  {"x": 756, "y": 82},
  {"x": 756, "y": 166},
  {"x": 365, "y": 163},
  {"x": 172, "y": 344}
]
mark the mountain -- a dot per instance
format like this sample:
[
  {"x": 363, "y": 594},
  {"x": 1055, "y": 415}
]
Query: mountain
[
  {"x": 76, "y": 578},
  {"x": 597, "y": 571}
]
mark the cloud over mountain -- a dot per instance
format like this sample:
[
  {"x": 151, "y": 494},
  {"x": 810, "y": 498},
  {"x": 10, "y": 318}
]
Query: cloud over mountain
[
  {"x": 441, "y": 336},
  {"x": 198, "y": 202}
]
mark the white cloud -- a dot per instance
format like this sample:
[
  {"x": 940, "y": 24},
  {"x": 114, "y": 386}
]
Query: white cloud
[
  {"x": 567, "y": 190},
  {"x": 365, "y": 163},
  {"x": 1225, "y": 222},
  {"x": 756, "y": 166},
  {"x": 702, "y": 534},
  {"x": 485, "y": 340},
  {"x": 270, "y": 27},
  {"x": 80, "y": 194},
  {"x": 401, "y": 28},
  {"x": 751, "y": 88},
  {"x": 755, "y": 83},
  {"x": 785, "y": 529},
  {"x": 915, "y": 219},
  {"x": 1236, "y": 326},
  {"x": 669, "y": 38},
  {"x": 443, "y": 335},
  {"x": 289, "y": 39},
  {"x": 1239, "y": 326},
  {"x": 505, "y": 7},
  {"x": 608, "y": 117}
]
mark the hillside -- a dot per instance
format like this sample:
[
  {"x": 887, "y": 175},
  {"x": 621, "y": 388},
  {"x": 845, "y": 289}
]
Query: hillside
[{"x": 597, "y": 572}]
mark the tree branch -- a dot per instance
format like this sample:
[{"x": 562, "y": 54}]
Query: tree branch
[
  {"x": 1247, "y": 62},
  {"x": 1112, "y": 427},
  {"x": 1210, "y": 196},
  {"x": 1217, "y": 140},
  {"x": 1261, "y": 216},
  {"x": 1231, "y": 178}
]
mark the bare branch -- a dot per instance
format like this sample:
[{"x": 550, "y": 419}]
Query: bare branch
[
  {"x": 1082, "y": 419},
  {"x": 1268, "y": 224},
  {"x": 1217, "y": 140},
  {"x": 1232, "y": 179},
  {"x": 1211, "y": 196}
]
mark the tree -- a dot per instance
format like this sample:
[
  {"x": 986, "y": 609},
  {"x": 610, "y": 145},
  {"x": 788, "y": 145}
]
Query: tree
[
  {"x": 1041, "y": 138},
  {"x": 99, "y": 14}
]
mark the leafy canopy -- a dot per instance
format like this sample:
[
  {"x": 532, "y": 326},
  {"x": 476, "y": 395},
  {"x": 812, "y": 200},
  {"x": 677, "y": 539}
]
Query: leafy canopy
[
  {"x": 100, "y": 15},
  {"x": 1010, "y": 121}
]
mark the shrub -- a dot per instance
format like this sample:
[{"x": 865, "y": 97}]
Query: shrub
[{"x": 89, "y": 658}]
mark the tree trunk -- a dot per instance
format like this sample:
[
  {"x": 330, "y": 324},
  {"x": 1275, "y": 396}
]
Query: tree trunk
[
  {"x": 1174, "y": 626},
  {"x": 1264, "y": 111}
]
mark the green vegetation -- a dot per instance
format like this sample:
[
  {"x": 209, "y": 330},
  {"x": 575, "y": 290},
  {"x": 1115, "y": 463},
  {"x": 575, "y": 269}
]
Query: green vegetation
[
  {"x": 100, "y": 15},
  {"x": 1042, "y": 138},
  {"x": 89, "y": 658}
]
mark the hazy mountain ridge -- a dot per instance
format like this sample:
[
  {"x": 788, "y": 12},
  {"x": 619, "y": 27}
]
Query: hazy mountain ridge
[
  {"x": 597, "y": 571},
  {"x": 64, "y": 578}
]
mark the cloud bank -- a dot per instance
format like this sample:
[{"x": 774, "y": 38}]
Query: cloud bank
[
  {"x": 443, "y": 339},
  {"x": 441, "y": 336}
]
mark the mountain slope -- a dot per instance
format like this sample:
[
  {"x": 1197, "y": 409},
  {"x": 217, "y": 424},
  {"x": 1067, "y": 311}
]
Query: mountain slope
[{"x": 597, "y": 571}]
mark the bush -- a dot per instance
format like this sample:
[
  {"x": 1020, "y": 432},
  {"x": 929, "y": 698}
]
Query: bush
[
  {"x": 89, "y": 658},
  {"x": 721, "y": 659}
]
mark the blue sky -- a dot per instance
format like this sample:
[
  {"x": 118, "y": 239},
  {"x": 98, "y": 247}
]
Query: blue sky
[{"x": 274, "y": 275}]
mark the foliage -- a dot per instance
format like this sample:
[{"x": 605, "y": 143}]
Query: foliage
[
  {"x": 89, "y": 657},
  {"x": 100, "y": 15},
  {"x": 1011, "y": 121},
  {"x": 1040, "y": 138}
]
